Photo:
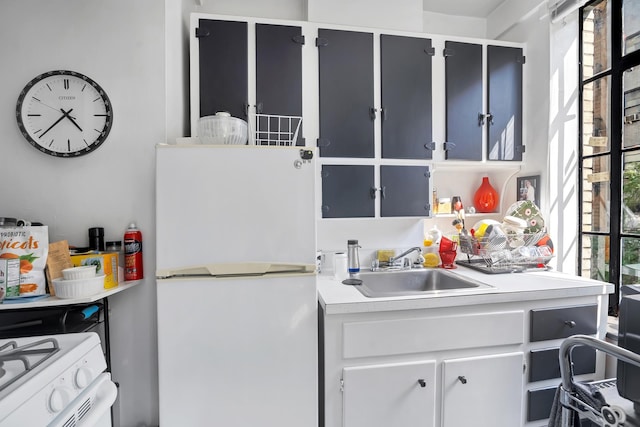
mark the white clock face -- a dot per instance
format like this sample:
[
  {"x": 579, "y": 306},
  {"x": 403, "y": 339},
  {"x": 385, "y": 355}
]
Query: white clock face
[{"x": 64, "y": 114}]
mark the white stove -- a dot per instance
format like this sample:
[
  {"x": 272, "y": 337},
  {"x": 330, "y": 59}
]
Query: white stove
[{"x": 55, "y": 380}]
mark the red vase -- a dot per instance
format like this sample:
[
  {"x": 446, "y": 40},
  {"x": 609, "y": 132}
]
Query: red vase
[{"x": 486, "y": 198}]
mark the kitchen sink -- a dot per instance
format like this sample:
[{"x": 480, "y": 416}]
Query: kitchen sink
[{"x": 392, "y": 283}]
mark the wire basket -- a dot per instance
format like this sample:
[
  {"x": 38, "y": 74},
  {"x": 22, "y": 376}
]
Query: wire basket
[
  {"x": 276, "y": 130},
  {"x": 507, "y": 252}
]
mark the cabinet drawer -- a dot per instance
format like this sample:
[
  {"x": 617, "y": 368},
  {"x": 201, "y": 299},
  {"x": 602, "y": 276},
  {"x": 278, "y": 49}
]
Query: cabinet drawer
[
  {"x": 428, "y": 334},
  {"x": 544, "y": 364},
  {"x": 554, "y": 323},
  {"x": 539, "y": 403}
]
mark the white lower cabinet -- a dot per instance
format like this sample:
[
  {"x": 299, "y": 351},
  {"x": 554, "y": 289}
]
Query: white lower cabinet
[
  {"x": 483, "y": 391},
  {"x": 394, "y": 394}
]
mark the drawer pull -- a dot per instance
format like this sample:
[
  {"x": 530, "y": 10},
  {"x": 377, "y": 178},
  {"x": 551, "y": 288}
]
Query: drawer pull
[
  {"x": 462, "y": 379},
  {"x": 422, "y": 383},
  {"x": 570, "y": 323}
]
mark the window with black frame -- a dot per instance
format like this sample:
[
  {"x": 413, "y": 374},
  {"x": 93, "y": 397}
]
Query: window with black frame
[{"x": 610, "y": 143}]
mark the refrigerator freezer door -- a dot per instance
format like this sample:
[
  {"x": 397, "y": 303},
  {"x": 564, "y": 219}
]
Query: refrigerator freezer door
[
  {"x": 229, "y": 204},
  {"x": 238, "y": 351}
]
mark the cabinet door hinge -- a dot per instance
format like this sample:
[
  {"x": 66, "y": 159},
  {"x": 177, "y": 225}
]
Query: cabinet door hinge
[
  {"x": 321, "y": 41},
  {"x": 448, "y": 52},
  {"x": 430, "y": 51},
  {"x": 521, "y": 59},
  {"x": 202, "y": 32},
  {"x": 298, "y": 39}
]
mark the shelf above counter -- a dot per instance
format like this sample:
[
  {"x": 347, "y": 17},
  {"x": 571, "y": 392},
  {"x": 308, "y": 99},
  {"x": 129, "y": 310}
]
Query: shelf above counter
[{"x": 49, "y": 301}]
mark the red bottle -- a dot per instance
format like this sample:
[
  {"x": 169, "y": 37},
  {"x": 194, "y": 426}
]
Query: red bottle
[{"x": 133, "y": 253}]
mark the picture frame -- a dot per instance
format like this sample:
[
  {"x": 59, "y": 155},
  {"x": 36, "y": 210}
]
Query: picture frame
[{"x": 528, "y": 187}]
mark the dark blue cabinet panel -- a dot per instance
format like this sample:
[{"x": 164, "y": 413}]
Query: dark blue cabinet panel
[
  {"x": 348, "y": 191},
  {"x": 463, "y": 70},
  {"x": 223, "y": 67},
  {"x": 406, "y": 97},
  {"x": 404, "y": 191},
  {"x": 279, "y": 70},
  {"x": 505, "y": 102},
  {"x": 346, "y": 93}
]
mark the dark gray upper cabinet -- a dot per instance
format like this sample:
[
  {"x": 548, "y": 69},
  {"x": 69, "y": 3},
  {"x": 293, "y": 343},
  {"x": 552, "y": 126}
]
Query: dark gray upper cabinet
[
  {"x": 279, "y": 70},
  {"x": 405, "y": 76},
  {"x": 505, "y": 102},
  {"x": 223, "y": 67},
  {"x": 347, "y": 111},
  {"x": 348, "y": 191},
  {"x": 463, "y": 70},
  {"x": 404, "y": 191}
]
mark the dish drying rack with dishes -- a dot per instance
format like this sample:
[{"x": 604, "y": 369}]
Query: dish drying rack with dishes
[{"x": 506, "y": 253}]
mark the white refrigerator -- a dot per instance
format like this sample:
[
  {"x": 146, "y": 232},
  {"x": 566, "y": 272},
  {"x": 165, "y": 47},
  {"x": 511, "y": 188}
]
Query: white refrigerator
[{"x": 236, "y": 286}]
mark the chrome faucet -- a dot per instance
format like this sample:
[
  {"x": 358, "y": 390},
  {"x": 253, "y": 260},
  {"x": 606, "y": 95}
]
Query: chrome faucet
[{"x": 393, "y": 259}]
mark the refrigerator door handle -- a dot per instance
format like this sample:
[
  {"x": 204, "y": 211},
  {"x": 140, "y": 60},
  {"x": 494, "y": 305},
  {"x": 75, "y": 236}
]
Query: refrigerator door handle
[{"x": 235, "y": 269}]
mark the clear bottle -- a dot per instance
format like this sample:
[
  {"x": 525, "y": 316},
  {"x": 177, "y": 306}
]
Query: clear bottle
[{"x": 353, "y": 259}]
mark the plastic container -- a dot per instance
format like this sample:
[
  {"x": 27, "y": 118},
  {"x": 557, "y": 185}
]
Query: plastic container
[{"x": 222, "y": 129}]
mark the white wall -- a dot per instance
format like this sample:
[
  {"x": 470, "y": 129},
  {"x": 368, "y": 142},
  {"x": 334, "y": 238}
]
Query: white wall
[
  {"x": 119, "y": 44},
  {"x": 397, "y": 14},
  {"x": 460, "y": 26}
]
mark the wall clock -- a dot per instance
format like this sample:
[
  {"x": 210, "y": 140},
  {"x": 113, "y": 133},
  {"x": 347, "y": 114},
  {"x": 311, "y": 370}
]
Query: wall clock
[{"x": 64, "y": 113}]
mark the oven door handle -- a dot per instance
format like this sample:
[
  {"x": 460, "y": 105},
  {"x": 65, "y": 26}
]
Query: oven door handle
[{"x": 102, "y": 392}]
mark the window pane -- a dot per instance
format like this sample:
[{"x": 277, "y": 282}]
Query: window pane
[
  {"x": 595, "y": 116},
  {"x": 631, "y": 99},
  {"x": 596, "y": 194},
  {"x": 631, "y": 192},
  {"x": 595, "y": 257},
  {"x": 630, "y": 26},
  {"x": 630, "y": 261},
  {"x": 596, "y": 55}
]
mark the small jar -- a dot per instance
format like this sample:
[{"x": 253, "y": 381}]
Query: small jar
[{"x": 514, "y": 227}]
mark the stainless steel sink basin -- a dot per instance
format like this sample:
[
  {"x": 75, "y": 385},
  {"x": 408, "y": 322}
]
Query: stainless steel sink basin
[{"x": 416, "y": 282}]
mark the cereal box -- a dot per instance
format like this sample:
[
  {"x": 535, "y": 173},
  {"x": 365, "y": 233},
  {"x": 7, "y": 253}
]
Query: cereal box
[
  {"x": 30, "y": 245},
  {"x": 106, "y": 263}
]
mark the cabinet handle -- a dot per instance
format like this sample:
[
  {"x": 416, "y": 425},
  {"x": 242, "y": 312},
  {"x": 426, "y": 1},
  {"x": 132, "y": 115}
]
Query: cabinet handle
[
  {"x": 462, "y": 379},
  {"x": 372, "y": 113},
  {"x": 372, "y": 192},
  {"x": 570, "y": 323},
  {"x": 422, "y": 383}
]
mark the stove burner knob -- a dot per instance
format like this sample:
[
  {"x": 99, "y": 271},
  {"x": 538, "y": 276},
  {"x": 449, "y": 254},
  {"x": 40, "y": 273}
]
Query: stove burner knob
[
  {"x": 59, "y": 399},
  {"x": 83, "y": 377}
]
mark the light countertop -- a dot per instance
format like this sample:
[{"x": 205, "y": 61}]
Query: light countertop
[{"x": 337, "y": 298}]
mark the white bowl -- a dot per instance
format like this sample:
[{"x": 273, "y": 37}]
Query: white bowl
[
  {"x": 83, "y": 272},
  {"x": 78, "y": 288},
  {"x": 222, "y": 129}
]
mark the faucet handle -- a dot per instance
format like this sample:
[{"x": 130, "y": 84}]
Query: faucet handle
[{"x": 406, "y": 263}]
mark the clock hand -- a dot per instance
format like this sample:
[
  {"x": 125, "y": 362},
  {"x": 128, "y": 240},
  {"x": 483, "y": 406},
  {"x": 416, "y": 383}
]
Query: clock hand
[
  {"x": 66, "y": 114},
  {"x": 50, "y": 127}
]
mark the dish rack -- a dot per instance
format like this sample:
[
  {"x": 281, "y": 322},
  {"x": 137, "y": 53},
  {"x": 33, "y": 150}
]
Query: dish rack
[
  {"x": 276, "y": 130},
  {"x": 507, "y": 253}
]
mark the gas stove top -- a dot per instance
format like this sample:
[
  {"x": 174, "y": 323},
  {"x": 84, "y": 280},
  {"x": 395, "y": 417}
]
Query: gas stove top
[{"x": 41, "y": 376}]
